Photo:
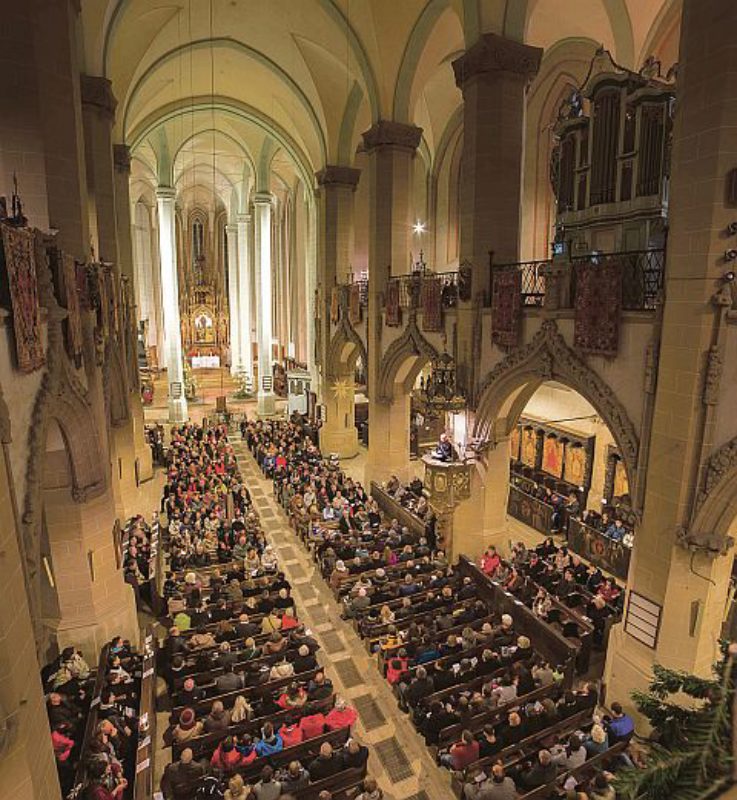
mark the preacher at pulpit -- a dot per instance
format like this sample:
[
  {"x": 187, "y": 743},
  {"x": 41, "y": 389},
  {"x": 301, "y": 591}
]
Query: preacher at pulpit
[{"x": 444, "y": 450}]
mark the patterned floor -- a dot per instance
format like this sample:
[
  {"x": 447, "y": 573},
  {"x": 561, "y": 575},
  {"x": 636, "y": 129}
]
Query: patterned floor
[{"x": 399, "y": 760}]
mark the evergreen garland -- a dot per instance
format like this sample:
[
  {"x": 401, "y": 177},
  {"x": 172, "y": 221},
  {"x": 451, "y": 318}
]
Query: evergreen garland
[{"x": 692, "y": 760}]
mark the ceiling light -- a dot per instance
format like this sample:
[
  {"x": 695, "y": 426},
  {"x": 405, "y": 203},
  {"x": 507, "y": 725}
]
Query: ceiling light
[{"x": 419, "y": 227}]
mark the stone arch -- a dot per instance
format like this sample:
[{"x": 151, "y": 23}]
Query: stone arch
[
  {"x": 397, "y": 363},
  {"x": 715, "y": 509},
  {"x": 506, "y": 389},
  {"x": 346, "y": 347},
  {"x": 116, "y": 387}
]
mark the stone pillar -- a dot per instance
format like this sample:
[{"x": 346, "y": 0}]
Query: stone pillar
[
  {"x": 688, "y": 584},
  {"x": 98, "y": 110},
  {"x": 262, "y": 222},
  {"x": 55, "y": 28},
  {"x": 335, "y": 242},
  {"x": 231, "y": 232},
  {"x": 493, "y": 76},
  {"x": 122, "y": 164},
  {"x": 27, "y": 768},
  {"x": 245, "y": 280},
  {"x": 170, "y": 295},
  {"x": 391, "y": 147}
]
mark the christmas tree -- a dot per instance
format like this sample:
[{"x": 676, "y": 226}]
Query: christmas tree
[{"x": 692, "y": 757}]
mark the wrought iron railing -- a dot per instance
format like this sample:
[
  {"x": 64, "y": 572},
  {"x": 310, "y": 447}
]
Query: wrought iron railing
[
  {"x": 643, "y": 276},
  {"x": 532, "y": 280}
]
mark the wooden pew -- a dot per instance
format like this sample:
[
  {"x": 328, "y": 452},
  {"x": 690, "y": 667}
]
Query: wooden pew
[{"x": 143, "y": 786}]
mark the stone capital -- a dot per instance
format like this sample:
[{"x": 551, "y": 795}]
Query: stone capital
[
  {"x": 122, "y": 158},
  {"x": 97, "y": 92},
  {"x": 243, "y": 219},
  {"x": 263, "y": 198},
  {"x": 335, "y": 175},
  {"x": 496, "y": 54},
  {"x": 388, "y": 133},
  {"x": 166, "y": 193},
  {"x": 231, "y": 228}
]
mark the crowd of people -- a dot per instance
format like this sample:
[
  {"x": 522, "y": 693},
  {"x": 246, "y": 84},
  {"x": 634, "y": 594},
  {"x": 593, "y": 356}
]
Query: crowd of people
[
  {"x": 455, "y": 665},
  {"x": 253, "y": 714},
  {"x": 94, "y": 720}
]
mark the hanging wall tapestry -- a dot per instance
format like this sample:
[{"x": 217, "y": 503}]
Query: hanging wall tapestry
[
  {"x": 20, "y": 265},
  {"x": 598, "y": 308},
  {"x": 553, "y": 456},
  {"x": 392, "y": 316},
  {"x": 334, "y": 306},
  {"x": 73, "y": 322},
  {"x": 432, "y": 311},
  {"x": 354, "y": 304},
  {"x": 506, "y": 307}
]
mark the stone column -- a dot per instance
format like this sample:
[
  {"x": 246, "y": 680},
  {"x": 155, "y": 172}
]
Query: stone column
[
  {"x": 231, "y": 232},
  {"x": 245, "y": 280},
  {"x": 27, "y": 768},
  {"x": 335, "y": 244},
  {"x": 98, "y": 111},
  {"x": 493, "y": 76},
  {"x": 262, "y": 222},
  {"x": 122, "y": 174},
  {"x": 691, "y": 412},
  {"x": 170, "y": 295},
  {"x": 391, "y": 147}
]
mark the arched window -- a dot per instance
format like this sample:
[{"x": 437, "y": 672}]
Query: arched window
[{"x": 198, "y": 240}]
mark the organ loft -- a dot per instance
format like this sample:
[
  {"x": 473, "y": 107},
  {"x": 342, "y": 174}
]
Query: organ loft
[{"x": 367, "y": 379}]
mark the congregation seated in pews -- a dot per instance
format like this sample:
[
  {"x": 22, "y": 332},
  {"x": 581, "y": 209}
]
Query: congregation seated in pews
[{"x": 94, "y": 720}]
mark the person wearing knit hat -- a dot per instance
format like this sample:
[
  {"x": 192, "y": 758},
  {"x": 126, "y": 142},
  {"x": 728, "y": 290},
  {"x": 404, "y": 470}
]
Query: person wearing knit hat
[{"x": 188, "y": 727}]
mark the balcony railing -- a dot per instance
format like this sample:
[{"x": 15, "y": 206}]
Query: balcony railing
[{"x": 643, "y": 277}]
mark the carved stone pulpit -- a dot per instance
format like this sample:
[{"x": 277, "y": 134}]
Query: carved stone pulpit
[{"x": 447, "y": 485}]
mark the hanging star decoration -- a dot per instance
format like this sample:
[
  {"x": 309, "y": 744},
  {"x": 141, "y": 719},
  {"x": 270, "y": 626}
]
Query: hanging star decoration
[{"x": 342, "y": 388}]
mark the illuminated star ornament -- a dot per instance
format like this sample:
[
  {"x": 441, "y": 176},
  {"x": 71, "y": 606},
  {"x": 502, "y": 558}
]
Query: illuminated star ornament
[
  {"x": 419, "y": 227},
  {"x": 342, "y": 388}
]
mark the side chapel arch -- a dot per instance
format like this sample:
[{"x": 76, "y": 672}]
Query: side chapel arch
[
  {"x": 507, "y": 388},
  {"x": 346, "y": 348}
]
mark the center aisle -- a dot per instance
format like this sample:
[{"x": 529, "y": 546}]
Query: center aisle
[{"x": 398, "y": 758}]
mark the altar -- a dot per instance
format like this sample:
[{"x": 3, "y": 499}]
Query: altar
[{"x": 206, "y": 362}]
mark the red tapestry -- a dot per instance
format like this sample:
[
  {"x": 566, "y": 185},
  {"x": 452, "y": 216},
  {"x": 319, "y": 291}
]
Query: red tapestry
[
  {"x": 354, "y": 304},
  {"x": 392, "y": 315},
  {"x": 598, "y": 307},
  {"x": 553, "y": 456},
  {"x": 432, "y": 310},
  {"x": 20, "y": 264},
  {"x": 73, "y": 322},
  {"x": 506, "y": 307},
  {"x": 334, "y": 306}
]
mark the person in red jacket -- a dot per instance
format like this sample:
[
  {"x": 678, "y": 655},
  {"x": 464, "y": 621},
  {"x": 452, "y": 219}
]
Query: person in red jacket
[
  {"x": 312, "y": 725},
  {"x": 397, "y": 667},
  {"x": 340, "y": 716},
  {"x": 490, "y": 561},
  {"x": 462, "y": 753},
  {"x": 226, "y": 757},
  {"x": 291, "y": 734},
  {"x": 62, "y": 744}
]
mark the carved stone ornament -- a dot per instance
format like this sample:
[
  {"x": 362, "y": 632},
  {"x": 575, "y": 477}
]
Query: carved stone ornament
[
  {"x": 548, "y": 357},
  {"x": 713, "y": 377},
  {"x": 335, "y": 175},
  {"x": 651, "y": 367},
  {"x": 410, "y": 343},
  {"x": 493, "y": 53},
  {"x": 718, "y": 466},
  {"x": 344, "y": 334},
  {"x": 388, "y": 133},
  {"x": 98, "y": 93},
  {"x": 710, "y": 544}
]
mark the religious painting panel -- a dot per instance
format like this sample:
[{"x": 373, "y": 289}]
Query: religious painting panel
[
  {"x": 553, "y": 456},
  {"x": 514, "y": 443},
  {"x": 19, "y": 256},
  {"x": 529, "y": 447},
  {"x": 621, "y": 484},
  {"x": 575, "y": 464},
  {"x": 334, "y": 306},
  {"x": 73, "y": 322}
]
